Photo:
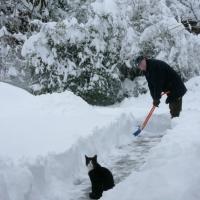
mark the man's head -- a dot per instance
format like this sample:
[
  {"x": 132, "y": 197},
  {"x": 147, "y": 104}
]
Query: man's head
[{"x": 140, "y": 63}]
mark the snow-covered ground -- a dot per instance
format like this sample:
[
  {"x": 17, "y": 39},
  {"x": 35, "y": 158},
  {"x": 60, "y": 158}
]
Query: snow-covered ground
[
  {"x": 43, "y": 141},
  {"x": 171, "y": 171}
]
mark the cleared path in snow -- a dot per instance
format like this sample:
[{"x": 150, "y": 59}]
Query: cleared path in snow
[{"x": 129, "y": 157}]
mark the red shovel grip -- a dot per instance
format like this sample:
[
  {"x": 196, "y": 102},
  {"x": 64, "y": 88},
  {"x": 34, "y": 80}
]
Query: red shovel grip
[{"x": 150, "y": 113}]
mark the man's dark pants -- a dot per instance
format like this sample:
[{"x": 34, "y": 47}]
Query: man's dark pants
[{"x": 175, "y": 107}]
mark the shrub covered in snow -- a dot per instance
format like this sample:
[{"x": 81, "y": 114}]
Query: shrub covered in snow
[
  {"x": 85, "y": 46},
  {"x": 76, "y": 56}
]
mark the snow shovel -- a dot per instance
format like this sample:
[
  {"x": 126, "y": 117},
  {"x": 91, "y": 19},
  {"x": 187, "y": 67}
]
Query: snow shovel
[{"x": 136, "y": 133}]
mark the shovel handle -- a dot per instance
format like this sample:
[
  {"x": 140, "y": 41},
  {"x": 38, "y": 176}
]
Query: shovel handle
[
  {"x": 151, "y": 112},
  {"x": 148, "y": 117}
]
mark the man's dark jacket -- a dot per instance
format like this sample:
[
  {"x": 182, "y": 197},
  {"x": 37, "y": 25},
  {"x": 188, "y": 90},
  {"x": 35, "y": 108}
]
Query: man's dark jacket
[{"x": 162, "y": 78}]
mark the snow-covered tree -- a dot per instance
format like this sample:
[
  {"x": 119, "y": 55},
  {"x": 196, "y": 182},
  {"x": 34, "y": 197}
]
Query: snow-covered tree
[
  {"x": 85, "y": 46},
  {"x": 76, "y": 56}
]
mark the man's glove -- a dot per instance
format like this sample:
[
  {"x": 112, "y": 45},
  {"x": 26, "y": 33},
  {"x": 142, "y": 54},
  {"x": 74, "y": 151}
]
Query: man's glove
[{"x": 156, "y": 102}]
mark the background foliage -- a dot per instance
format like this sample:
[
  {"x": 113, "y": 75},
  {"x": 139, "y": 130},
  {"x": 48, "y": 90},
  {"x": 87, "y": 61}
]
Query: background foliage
[{"x": 85, "y": 46}]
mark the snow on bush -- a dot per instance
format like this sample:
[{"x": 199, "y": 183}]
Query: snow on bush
[
  {"x": 78, "y": 57},
  {"x": 84, "y": 44}
]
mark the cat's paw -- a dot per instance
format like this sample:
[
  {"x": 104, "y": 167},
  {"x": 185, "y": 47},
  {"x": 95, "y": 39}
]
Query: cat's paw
[{"x": 94, "y": 196}]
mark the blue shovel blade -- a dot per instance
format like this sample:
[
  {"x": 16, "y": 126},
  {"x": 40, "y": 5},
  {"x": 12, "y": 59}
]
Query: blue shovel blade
[{"x": 136, "y": 133}]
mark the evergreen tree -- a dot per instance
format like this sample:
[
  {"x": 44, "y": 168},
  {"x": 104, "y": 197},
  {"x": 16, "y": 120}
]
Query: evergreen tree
[{"x": 85, "y": 45}]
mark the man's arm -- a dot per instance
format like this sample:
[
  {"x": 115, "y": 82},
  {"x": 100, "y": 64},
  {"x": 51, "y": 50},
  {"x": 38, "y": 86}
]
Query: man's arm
[
  {"x": 151, "y": 88},
  {"x": 158, "y": 76}
]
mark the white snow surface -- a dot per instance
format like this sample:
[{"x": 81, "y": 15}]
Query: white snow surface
[
  {"x": 35, "y": 125},
  {"x": 105, "y": 6},
  {"x": 44, "y": 140}
]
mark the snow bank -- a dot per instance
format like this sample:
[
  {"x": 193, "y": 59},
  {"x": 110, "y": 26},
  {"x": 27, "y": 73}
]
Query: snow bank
[
  {"x": 57, "y": 123},
  {"x": 36, "y": 125},
  {"x": 54, "y": 176},
  {"x": 172, "y": 169}
]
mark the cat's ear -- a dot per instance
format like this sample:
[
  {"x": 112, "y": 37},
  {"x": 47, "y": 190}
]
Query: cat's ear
[
  {"x": 95, "y": 157},
  {"x": 86, "y": 157}
]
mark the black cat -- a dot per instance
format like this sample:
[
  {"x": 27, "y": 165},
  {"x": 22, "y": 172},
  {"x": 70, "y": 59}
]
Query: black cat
[{"x": 101, "y": 178}]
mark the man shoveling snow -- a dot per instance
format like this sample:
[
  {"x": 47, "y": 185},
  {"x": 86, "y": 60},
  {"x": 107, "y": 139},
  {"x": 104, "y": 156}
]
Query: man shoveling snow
[{"x": 162, "y": 78}]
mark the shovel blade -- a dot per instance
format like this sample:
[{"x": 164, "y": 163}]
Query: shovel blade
[{"x": 136, "y": 133}]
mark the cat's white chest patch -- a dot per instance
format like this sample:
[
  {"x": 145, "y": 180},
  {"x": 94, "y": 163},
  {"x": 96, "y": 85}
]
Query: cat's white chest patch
[{"x": 90, "y": 166}]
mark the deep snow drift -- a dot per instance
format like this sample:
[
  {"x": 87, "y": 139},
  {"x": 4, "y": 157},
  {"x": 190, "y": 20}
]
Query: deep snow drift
[
  {"x": 63, "y": 128},
  {"x": 32, "y": 126},
  {"x": 172, "y": 168}
]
